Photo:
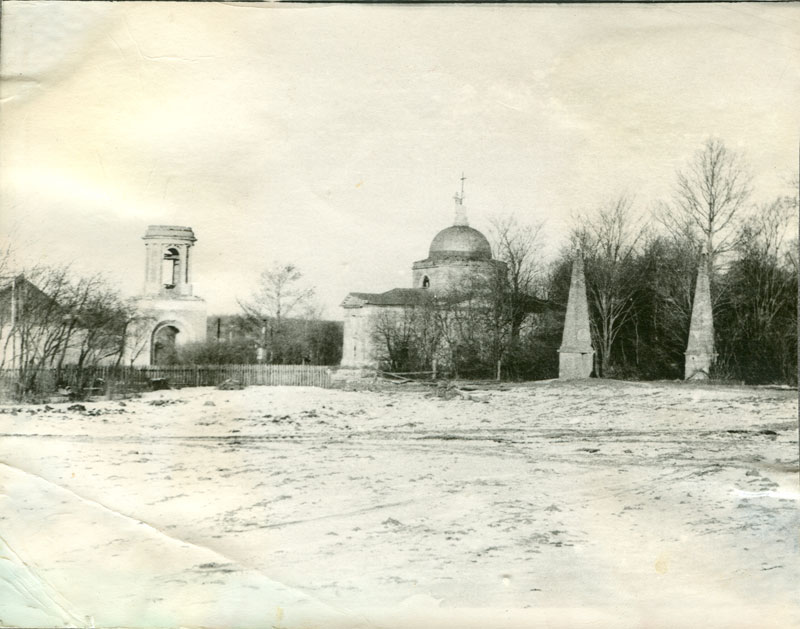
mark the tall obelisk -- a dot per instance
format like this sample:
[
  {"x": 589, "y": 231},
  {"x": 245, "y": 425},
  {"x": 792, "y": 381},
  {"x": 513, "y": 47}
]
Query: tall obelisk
[
  {"x": 576, "y": 355},
  {"x": 700, "y": 354}
]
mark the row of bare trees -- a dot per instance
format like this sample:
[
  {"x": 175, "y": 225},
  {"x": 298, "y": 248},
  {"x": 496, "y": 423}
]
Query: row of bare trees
[
  {"x": 641, "y": 274},
  {"x": 466, "y": 331},
  {"x": 51, "y": 318}
]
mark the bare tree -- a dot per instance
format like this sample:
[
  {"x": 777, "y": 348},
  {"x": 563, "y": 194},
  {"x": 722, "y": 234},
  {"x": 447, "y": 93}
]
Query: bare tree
[
  {"x": 135, "y": 335},
  {"x": 280, "y": 294},
  {"x": 464, "y": 314},
  {"x": 758, "y": 323},
  {"x": 80, "y": 297},
  {"x": 709, "y": 198},
  {"x": 104, "y": 318},
  {"x": 393, "y": 336},
  {"x": 675, "y": 279},
  {"x": 609, "y": 242},
  {"x": 408, "y": 338},
  {"x": 518, "y": 246},
  {"x": 474, "y": 323},
  {"x": 7, "y": 301},
  {"x": 43, "y": 324}
]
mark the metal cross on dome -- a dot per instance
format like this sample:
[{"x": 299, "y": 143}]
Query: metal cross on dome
[
  {"x": 461, "y": 212},
  {"x": 460, "y": 198}
]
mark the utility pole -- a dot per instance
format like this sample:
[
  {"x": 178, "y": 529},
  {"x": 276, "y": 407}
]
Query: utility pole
[{"x": 262, "y": 357}]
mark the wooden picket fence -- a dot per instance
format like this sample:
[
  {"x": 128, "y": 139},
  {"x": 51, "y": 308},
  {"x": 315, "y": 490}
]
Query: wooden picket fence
[{"x": 109, "y": 379}]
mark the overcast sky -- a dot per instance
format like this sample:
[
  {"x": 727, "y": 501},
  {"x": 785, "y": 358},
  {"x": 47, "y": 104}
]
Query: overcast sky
[{"x": 334, "y": 136}]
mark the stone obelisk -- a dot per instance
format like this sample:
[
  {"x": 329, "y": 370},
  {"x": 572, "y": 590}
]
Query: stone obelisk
[
  {"x": 700, "y": 354},
  {"x": 576, "y": 355}
]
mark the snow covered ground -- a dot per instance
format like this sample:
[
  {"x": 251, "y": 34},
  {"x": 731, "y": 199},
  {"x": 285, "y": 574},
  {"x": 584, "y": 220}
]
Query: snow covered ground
[{"x": 559, "y": 504}]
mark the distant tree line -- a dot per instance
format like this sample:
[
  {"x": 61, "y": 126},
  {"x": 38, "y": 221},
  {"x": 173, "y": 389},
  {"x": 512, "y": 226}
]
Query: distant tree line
[
  {"x": 240, "y": 340},
  {"x": 279, "y": 324}
]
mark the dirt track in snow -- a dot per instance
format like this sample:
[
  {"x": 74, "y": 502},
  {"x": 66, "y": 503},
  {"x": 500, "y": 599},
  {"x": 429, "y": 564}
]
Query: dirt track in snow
[{"x": 625, "y": 503}]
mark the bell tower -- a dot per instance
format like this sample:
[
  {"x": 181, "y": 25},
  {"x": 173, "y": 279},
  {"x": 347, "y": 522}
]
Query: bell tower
[{"x": 170, "y": 314}]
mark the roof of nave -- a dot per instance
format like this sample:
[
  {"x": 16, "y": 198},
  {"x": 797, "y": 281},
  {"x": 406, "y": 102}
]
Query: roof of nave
[{"x": 394, "y": 297}]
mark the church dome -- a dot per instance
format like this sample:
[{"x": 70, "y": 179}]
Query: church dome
[{"x": 461, "y": 242}]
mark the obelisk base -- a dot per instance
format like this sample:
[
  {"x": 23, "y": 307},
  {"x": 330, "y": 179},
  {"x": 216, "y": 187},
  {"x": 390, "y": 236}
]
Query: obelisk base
[
  {"x": 698, "y": 366},
  {"x": 573, "y": 365}
]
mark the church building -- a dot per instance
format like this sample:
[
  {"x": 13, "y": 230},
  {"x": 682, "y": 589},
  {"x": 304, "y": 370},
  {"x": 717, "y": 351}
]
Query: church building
[{"x": 459, "y": 256}]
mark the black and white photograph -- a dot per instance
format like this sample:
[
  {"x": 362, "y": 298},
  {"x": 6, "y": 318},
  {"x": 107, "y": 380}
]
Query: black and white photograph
[{"x": 386, "y": 316}]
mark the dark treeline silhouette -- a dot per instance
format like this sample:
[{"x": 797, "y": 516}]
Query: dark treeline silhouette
[
  {"x": 280, "y": 324},
  {"x": 241, "y": 340}
]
